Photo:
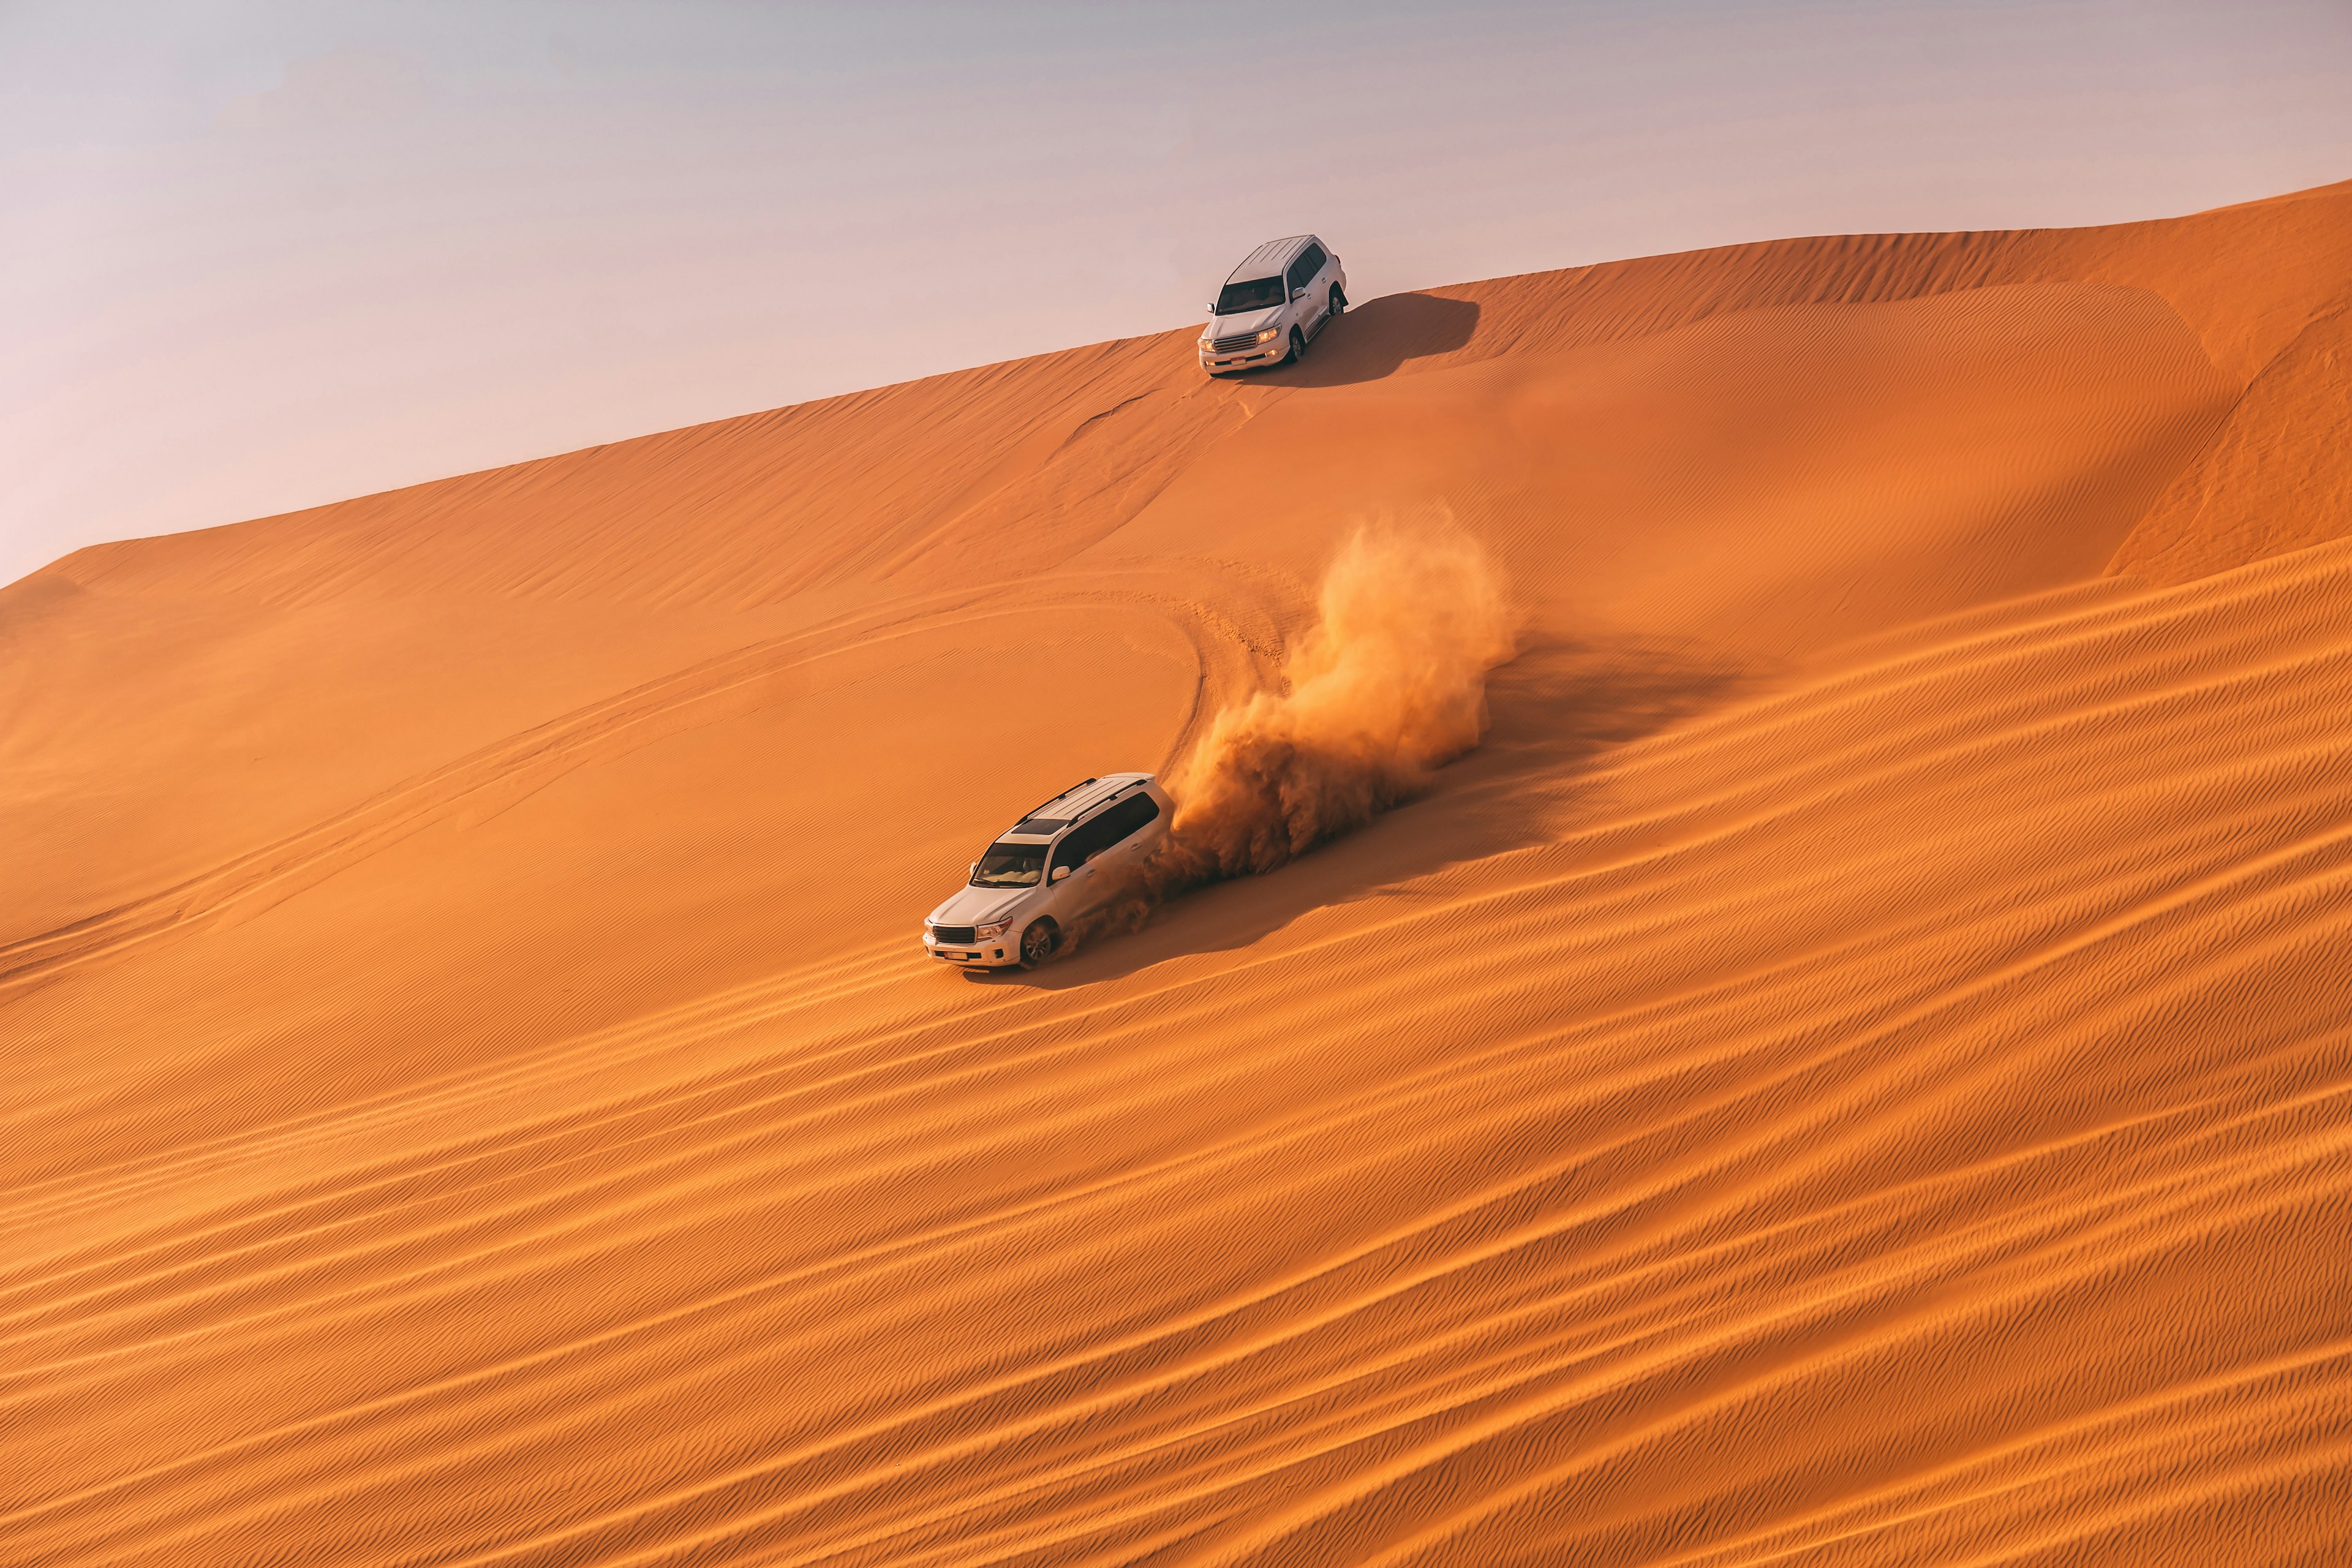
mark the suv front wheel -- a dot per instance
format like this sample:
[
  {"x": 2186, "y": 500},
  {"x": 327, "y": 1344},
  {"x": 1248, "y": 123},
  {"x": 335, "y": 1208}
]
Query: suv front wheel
[
  {"x": 1298, "y": 347},
  {"x": 1038, "y": 941}
]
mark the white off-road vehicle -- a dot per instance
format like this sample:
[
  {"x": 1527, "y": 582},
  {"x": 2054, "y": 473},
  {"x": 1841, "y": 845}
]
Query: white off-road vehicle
[
  {"x": 1273, "y": 305},
  {"x": 1055, "y": 865}
]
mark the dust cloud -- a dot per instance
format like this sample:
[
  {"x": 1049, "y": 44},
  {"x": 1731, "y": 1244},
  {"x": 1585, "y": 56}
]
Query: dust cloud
[{"x": 1390, "y": 685}]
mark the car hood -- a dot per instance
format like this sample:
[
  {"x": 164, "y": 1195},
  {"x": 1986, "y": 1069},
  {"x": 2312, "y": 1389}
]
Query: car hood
[
  {"x": 1234, "y": 326},
  {"x": 979, "y": 906}
]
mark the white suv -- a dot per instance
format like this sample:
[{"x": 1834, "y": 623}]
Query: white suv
[
  {"x": 1045, "y": 870},
  {"x": 1275, "y": 303}
]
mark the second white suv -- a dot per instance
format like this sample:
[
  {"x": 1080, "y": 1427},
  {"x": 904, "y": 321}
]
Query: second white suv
[{"x": 1273, "y": 305}]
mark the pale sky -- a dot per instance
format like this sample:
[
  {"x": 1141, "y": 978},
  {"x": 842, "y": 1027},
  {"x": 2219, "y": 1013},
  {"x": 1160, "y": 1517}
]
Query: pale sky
[{"x": 254, "y": 257}]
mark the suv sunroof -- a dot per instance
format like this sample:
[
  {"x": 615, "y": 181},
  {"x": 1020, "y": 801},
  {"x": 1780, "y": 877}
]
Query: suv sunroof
[{"x": 1041, "y": 826}]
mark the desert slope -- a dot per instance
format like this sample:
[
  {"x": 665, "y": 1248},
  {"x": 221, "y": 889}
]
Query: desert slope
[{"x": 1857, "y": 1068}]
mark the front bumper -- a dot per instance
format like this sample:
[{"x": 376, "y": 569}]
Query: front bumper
[
  {"x": 1217, "y": 363},
  {"x": 996, "y": 953}
]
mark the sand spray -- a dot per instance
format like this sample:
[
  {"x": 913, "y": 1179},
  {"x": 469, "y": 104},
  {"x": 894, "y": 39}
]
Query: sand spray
[{"x": 1390, "y": 685}]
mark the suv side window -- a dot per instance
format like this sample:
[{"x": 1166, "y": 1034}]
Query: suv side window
[
  {"x": 1090, "y": 839},
  {"x": 1128, "y": 818},
  {"x": 1084, "y": 843},
  {"x": 1303, "y": 271}
]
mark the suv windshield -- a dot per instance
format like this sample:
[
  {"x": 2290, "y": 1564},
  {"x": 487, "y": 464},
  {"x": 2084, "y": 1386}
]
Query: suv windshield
[
  {"x": 1010, "y": 865},
  {"x": 1257, "y": 294}
]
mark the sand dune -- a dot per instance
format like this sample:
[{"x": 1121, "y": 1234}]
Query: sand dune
[{"x": 1856, "y": 1068}]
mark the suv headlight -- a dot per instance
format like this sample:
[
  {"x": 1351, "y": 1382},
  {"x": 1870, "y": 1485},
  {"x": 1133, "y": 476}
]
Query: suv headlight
[
  {"x": 1268, "y": 335},
  {"x": 990, "y": 934}
]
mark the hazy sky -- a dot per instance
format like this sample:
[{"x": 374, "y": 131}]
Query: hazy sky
[{"x": 260, "y": 256}]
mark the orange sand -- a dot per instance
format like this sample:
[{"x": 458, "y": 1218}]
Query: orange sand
[{"x": 1857, "y": 1068}]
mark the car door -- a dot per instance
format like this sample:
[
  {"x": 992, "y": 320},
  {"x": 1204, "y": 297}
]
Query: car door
[
  {"x": 1101, "y": 849},
  {"x": 1074, "y": 894},
  {"x": 1307, "y": 273},
  {"x": 1122, "y": 839}
]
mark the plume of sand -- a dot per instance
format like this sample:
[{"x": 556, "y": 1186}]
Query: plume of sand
[{"x": 1390, "y": 685}]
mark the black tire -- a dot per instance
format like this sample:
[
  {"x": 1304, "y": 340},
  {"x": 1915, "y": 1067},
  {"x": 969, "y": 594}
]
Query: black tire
[
  {"x": 1338, "y": 300},
  {"x": 1298, "y": 347},
  {"x": 1040, "y": 940}
]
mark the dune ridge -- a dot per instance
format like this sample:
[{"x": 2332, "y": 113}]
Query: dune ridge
[{"x": 1855, "y": 1066}]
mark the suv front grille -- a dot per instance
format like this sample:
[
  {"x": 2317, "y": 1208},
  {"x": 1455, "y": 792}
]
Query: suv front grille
[
  {"x": 953, "y": 933},
  {"x": 1227, "y": 345}
]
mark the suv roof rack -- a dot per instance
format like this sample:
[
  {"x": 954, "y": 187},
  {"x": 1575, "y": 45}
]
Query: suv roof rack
[
  {"x": 1269, "y": 258},
  {"x": 1051, "y": 798},
  {"x": 1116, "y": 786}
]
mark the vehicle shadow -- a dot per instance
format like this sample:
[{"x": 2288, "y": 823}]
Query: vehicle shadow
[
  {"x": 1373, "y": 340},
  {"x": 1553, "y": 709}
]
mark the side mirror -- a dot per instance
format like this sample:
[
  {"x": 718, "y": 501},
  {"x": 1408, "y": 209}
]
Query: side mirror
[
  {"x": 1297, "y": 295},
  {"x": 975, "y": 867},
  {"x": 1060, "y": 872}
]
